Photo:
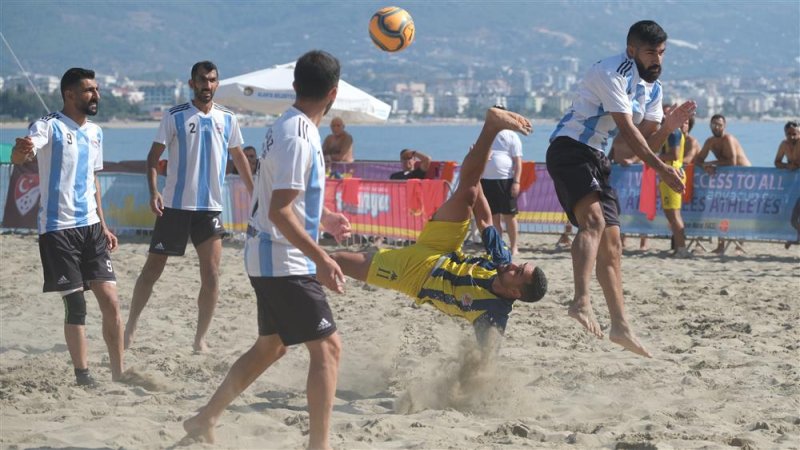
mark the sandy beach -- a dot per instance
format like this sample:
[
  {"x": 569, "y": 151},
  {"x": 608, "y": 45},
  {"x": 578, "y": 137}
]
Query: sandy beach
[{"x": 724, "y": 331}]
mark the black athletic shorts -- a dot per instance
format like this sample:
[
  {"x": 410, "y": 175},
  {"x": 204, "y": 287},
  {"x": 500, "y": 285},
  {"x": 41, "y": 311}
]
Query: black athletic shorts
[
  {"x": 173, "y": 228},
  {"x": 295, "y": 307},
  {"x": 73, "y": 257},
  {"x": 578, "y": 170},
  {"x": 498, "y": 194}
]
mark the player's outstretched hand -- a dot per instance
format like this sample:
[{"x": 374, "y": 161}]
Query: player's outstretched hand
[
  {"x": 330, "y": 275},
  {"x": 507, "y": 120},
  {"x": 676, "y": 116}
]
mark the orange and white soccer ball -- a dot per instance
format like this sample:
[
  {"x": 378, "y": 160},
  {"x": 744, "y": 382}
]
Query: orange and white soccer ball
[{"x": 391, "y": 29}]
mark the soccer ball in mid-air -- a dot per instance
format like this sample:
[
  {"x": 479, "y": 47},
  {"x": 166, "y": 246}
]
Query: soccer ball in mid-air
[{"x": 391, "y": 29}]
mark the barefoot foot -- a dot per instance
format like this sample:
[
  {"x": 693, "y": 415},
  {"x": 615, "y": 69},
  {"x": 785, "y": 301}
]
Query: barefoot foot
[
  {"x": 623, "y": 335},
  {"x": 584, "y": 314},
  {"x": 507, "y": 120},
  {"x": 200, "y": 346},
  {"x": 198, "y": 430}
]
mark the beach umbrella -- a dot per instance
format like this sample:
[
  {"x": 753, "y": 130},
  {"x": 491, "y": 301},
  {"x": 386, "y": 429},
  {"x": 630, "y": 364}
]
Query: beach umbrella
[{"x": 269, "y": 91}]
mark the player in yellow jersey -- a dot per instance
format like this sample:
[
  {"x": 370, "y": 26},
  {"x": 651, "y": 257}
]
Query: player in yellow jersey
[
  {"x": 434, "y": 269},
  {"x": 672, "y": 153}
]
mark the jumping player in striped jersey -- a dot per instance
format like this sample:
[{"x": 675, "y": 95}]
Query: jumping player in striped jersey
[
  {"x": 434, "y": 270},
  {"x": 285, "y": 264},
  {"x": 620, "y": 94},
  {"x": 198, "y": 135},
  {"x": 74, "y": 241}
]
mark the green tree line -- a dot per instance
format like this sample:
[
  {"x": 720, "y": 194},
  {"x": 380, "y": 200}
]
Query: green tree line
[{"x": 19, "y": 104}]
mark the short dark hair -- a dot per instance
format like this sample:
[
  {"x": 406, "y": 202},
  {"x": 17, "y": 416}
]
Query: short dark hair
[
  {"x": 790, "y": 124},
  {"x": 73, "y": 77},
  {"x": 535, "y": 290},
  {"x": 249, "y": 147},
  {"x": 691, "y": 123},
  {"x": 718, "y": 116},
  {"x": 646, "y": 32},
  {"x": 208, "y": 66},
  {"x": 315, "y": 74}
]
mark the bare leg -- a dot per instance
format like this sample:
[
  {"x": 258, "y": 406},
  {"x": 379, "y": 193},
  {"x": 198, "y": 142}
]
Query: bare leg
[
  {"x": 106, "y": 294},
  {"x": 584, "y": 253},
  {"x": 511, "y": 229},
  {"x": 497, "y": 222},
  {"x": 209, "y": 252},
  {"x": 457, "y": 207},
  {"x": 321, "y": 388},
  {"x": 75, "y": 335},
  {"x": 609, "y": 274},
  {"x": 244, "y": 371},
  {"x": 676, "y": 225},
  {"x": 151, "y": 272}
]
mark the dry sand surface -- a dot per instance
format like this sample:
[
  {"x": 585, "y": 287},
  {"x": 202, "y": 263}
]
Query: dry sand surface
[{"x": 724, "y": 332}]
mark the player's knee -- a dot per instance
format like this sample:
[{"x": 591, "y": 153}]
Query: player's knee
[
  {"x": 75, "y": 308},
  {"x": 594, "y": 222}
]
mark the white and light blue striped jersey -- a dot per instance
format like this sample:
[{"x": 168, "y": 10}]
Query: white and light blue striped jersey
[
  {"x": 291, "y": 158},
  {"x": 68, "y": 155},
  {"x": 610, "y": 85},
  {"x": 198, "y": 146}
]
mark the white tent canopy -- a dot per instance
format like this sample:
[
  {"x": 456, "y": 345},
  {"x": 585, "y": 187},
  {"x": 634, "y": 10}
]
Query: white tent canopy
[{"x": 270, "y": 91}]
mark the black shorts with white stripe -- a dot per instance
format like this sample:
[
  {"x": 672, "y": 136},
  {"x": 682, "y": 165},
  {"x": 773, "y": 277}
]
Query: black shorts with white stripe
[{"x": 295, "y": 307}]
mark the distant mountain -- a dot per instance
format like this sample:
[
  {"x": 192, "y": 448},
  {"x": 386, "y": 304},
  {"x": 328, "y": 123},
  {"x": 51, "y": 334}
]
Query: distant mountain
[{"x": 155, "y": 38}]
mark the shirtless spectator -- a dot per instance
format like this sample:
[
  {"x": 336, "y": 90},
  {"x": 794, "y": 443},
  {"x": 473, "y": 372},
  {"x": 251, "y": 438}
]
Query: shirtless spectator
[
  {"x": 622, "y": 154},
  {"x": 338, "y": 146},
  {"x": 728, "y": 151},
  {"x": 692, "y": 145},
  {"x": 725, "y": 146},
  {"x": 789, "y": 147}
]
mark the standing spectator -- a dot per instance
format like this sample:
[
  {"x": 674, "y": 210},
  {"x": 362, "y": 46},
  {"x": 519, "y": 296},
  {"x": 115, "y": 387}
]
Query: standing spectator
[
  {"x": 615, "y": 95},
  {"x": 672, "y": 153},
  {"x": 409, "y": 158},
  {"x": 789, "y": 148},
  {"x": 198, "y": 134},
  {"x": 729, "y": 152},
  {"x": 500, "y": 183},
  {"x": 286, "y": 266},
  {"x": 74, "y": 240},
  {"x": 338, "y": 146}
]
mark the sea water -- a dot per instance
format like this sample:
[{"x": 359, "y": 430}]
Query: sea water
[{"x": 442, "y": 142}]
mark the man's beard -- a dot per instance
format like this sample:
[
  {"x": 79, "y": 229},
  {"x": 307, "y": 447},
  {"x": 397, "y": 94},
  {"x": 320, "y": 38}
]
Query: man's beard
[
  {"x": 88, "y": 110},
  {"x": 649, "y": 74}
]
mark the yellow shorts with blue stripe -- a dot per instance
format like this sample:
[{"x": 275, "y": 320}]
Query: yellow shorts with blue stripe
[{"x": 406, "y": 269}]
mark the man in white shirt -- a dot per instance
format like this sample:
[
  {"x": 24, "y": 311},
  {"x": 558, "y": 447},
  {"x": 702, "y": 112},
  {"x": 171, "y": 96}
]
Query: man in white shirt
[
  {"x": 616, "y": 95},
  {"x": 287, "y": 267},
  {"x": 198, "y": 134},
  {"x": 500, "y": 183},
  {"x": 74, "y": 240}
]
